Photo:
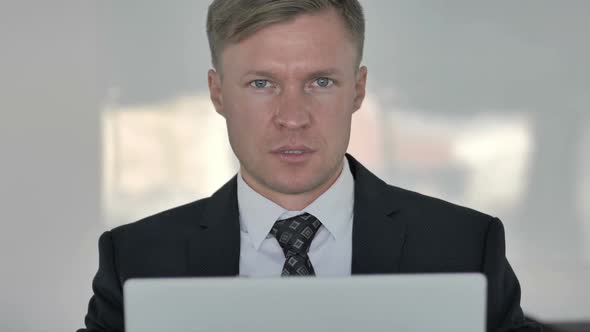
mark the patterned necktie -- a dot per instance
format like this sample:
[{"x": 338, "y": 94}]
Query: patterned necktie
[{"x": 295, "y": 235}]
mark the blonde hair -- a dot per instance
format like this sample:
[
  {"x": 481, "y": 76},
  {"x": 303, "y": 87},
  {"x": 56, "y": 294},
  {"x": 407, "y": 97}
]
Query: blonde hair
[{"x": 230, "y": 21}]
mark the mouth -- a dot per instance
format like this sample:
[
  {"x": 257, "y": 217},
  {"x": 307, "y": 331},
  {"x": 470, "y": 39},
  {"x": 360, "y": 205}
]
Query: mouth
[
  {"x": 293, "y": 154},
  {"x": 292, "y": 151}
]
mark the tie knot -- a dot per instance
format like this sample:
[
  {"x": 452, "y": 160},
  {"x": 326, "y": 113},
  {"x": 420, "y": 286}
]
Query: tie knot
[{"x": 295, "y": 234}]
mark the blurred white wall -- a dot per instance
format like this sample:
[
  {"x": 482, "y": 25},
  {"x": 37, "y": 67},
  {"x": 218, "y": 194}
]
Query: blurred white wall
[
  {"x": 50, "y": 169},
  {"x": 104, "y": 115}
]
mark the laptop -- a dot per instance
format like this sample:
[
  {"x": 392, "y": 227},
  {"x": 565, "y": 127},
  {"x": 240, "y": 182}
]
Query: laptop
[{"x": 426, "y": 302}]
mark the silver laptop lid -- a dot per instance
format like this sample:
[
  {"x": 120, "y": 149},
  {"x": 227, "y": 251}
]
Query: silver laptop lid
[{"x": 432, "y": 302}]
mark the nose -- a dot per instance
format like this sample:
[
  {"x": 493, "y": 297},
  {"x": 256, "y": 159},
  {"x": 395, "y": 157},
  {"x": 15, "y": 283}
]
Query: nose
[{"x": 293, "y": 109}]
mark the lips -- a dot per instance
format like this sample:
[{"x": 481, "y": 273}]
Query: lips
[
  {"x": 293, "y": 154},
  {"x": 287, "y": 149},
  {"x": 292, "y": 151}
]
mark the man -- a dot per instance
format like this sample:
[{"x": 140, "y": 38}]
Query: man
[{"x": 287, "y": 80}]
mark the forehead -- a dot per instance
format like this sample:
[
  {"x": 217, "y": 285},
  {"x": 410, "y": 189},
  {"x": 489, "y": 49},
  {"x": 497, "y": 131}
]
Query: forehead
[{"x": 306, "y": 42}]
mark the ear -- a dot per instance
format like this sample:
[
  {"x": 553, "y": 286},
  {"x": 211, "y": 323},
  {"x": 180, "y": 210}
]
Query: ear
[
  {"x": 360, "y": 87},
  {"x": 214, "y": 81}
]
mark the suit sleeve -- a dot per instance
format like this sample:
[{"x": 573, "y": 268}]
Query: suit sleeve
[
  {"x": 105, "y": 310},
  {"x": 504, "y": 311}
]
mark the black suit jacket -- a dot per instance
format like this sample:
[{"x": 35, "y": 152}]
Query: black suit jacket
[{"x": 394, "y": 231}]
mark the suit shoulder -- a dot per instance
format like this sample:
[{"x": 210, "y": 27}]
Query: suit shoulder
[
  {"x": 441, "y": 236},
  {"x": 175, "y": 218},
  {"x": 435, "y": 208}
]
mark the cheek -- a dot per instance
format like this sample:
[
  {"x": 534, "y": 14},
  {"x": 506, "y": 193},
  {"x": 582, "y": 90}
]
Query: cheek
[
  {"x": 248, "y": 108},
  {"x": 335, "y": 117},
  {"x": 246, "y": 119}
]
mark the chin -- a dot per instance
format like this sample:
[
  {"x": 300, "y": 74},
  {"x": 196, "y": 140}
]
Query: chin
[
  {"x": 295, "y": 185},
  {"x": 290, "y": 188}
]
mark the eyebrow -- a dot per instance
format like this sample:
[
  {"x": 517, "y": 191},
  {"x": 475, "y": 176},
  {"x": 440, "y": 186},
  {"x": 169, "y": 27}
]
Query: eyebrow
[
  {"x": 258, "y": 73},
  {"x": 319, "y": 73},
  {"x": 326, "y": 72}
]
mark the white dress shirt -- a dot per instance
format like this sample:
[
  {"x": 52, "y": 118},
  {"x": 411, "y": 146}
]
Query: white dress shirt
[{"x": 331, "y": 249}]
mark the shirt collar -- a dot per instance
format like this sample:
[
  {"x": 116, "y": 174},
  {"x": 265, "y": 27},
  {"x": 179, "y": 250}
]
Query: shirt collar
[{"x": 334, "y": 208}]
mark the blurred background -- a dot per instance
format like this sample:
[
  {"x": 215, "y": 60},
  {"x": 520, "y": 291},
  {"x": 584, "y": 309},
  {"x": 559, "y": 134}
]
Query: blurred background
[{"x": 105, "y": 119}]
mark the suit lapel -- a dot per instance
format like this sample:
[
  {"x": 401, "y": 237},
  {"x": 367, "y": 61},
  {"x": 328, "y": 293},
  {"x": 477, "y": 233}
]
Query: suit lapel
[
  {"x": 377, "y": 240},
  {"x": 378, "y": 235},
  {"x": 214, "y": 248}
]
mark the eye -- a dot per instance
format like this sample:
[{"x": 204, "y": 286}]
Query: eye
[
  {"x": 259, "y": 84},
  {"x": 323, "y": 82}
]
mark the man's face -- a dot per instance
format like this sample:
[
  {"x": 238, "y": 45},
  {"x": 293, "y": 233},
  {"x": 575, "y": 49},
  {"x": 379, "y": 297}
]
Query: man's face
[{"x": 288, "y": 93}]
